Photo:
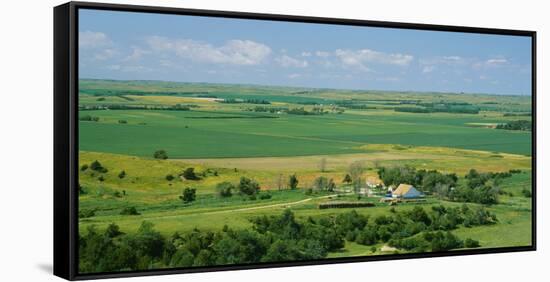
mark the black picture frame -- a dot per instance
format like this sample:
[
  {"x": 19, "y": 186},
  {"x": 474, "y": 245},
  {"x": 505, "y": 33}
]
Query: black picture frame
[{"x": 66, "y": 137}]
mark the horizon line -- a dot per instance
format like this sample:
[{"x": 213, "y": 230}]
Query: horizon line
[{"x": 316, "y": 88}]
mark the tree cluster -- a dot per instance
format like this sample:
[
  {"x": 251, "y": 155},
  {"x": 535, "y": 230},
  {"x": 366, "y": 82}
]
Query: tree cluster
[
  {"x": 273, "y": 238},
  {"x": 525, "y": 125}
]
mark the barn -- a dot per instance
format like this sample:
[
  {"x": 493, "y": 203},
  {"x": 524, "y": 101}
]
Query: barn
[{"x": 406, "y": 191}]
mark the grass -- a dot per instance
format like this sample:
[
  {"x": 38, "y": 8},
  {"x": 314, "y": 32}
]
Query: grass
[
  {"x": 186, "y": 135},
  {"x": 224, "y": 142}
]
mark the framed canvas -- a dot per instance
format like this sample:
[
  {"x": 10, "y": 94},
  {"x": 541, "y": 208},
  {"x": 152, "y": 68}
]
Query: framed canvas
[{"x": 194, "y": 140}]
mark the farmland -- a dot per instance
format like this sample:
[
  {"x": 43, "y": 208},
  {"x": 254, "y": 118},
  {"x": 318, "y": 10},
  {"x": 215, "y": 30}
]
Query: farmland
[{"x": 270, "y": 134}]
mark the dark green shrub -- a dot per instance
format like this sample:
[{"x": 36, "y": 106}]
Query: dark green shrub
[
  {"x": 129, "y": 211},
  {"x": 248, "y": 186},
  {"x": 96, "y": 166},
  {"x": 265, "y": 196},
  {"x": 471, "y": 243},
  {"x": 189, "y": 174},
  {"x": 225, "y": 189},
  {"x": 83, "y": 213},
  {"x": 160, "y": 154},
  {"x": 188, "y": 195},
  {"x": 293, "y": 181}
]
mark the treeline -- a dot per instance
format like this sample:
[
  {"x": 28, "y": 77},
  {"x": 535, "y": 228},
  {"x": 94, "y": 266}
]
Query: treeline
[
  {"x": 427, "y": 180},
  {"x": 176, "y": 107},
  {"x": 524, "y": 125},
  {"x": 272, "y": 239},
  {"x": 296, "y": 111},
  {"x": 482, "y": 188},
  {"x": 353, "y": 105},
  {"x": 260, "y": 109},
  {"x": 88, "y": 118},
  {"x": 244, "y": 101},
  {"x": 304, "y": 112},
  {"x": 116, "y": 92},
  {"x": 440, "y": 108},
  {"x": 516, "y": 114},
  {"x": 476, "y": 187}
]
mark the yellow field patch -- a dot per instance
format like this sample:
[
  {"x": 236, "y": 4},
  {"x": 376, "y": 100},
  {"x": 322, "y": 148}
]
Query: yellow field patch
[
  {"x": 440, "y": 158},
  {"x": 173, "y": 99}
]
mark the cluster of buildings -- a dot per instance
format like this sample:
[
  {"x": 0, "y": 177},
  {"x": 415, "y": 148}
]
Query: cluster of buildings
[{"x": 403, "y": 191}]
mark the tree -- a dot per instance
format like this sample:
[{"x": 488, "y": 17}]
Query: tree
[
  {"x": 148, "y": 242},
  {"x": 129, "y": 211},
  {"x": 225, "y": 189},
  {"x": 471, "y": 243},
  {"x": 282, "y": 250},
  {"x": 96, "y": 166},
  {"x": 182, "y": 258},
  {"x": 355, "y": 170},
  {"x": 169, "y": 177},
  {"x": 160, "y": 154},
  {"x": 440, "y": 241},
  {"x": 322, "y": 164},
  {"x": 189, "y": 174},
  {"x": 293, "y": 181},
  {"x": 347, "y": 179},
  {"x": 331, "y": 186},
  {"x": 320, "y": 183},
  {"x": 398, "y": 175},
  {"x": 279, "y": 181},
  {"x": 112, "y": 231},
  {"x": 188, "y": 195},
  {"x": 122, "y": 174},
  {"x": 248, "y": 186},
  {"x": 367, "y": 237}
]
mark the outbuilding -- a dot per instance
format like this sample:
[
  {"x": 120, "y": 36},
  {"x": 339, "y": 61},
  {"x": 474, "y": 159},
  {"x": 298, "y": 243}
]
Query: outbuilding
[{"x": 406, "y": 191}]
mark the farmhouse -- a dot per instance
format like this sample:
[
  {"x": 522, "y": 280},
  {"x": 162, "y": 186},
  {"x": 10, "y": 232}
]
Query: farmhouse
[
  {"x": 406, "y": 191},
  {"x": 374, "y": 182}
]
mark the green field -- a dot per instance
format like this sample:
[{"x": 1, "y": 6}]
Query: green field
[{"x": 225, "y": 141}]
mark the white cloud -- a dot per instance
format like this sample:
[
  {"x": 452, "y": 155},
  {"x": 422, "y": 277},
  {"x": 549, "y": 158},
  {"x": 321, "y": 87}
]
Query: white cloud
[
  {"x": 497, "y": 61},
  {"x": 137, "y": 53},
  {"x": 235, "y": 52},
  {"x": 114, "y": 67},
  {"x": 490, "y": 63},
  {"x": 287, "y": 61},
  {"x": 91, "y": 39},
  {"x": 432, "y": 64},
  {"x": 364, "y": 57},
  {"x": 444, "y": 60},
  {"x": 294, "y": 75},
  {"x": 452, "y": 59},
  {"x": 105, "y": 54},
  {"x": 306, "y": 54},
  {"x": 322, "y": 54},
  {"x": 428, "y": 69}
]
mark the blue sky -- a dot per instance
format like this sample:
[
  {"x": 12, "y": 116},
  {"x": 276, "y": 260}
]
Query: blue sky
[{"x": 142, "y": 46}]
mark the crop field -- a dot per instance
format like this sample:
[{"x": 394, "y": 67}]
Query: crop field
[{"x": 144, "y": 144}]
